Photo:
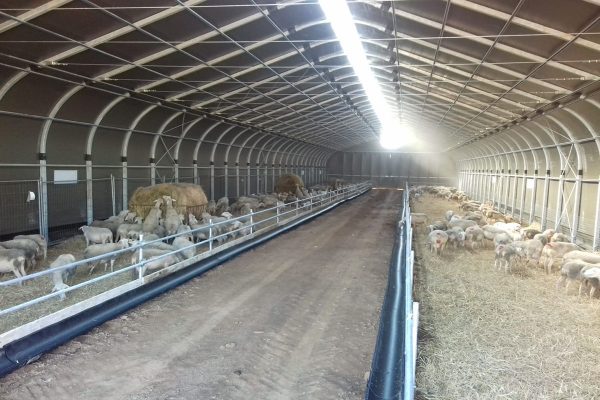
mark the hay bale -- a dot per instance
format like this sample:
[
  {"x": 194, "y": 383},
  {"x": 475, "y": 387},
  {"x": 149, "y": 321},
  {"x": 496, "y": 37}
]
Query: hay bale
[
  {"x": 287, "y": 183},
  {"x": 189, "y": 198}
]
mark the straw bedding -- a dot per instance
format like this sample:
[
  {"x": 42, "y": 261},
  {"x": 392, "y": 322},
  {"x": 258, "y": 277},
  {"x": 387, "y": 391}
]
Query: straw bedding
[{"x": 485, "y": 334}]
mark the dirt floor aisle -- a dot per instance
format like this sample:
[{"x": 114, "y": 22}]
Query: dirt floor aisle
[
  {"x": 294, "y": 319},
  {"x": 485, "y": 334}
]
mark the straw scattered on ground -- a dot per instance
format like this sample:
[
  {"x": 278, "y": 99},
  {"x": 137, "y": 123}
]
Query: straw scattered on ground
[{"x": 485, "y": 334}]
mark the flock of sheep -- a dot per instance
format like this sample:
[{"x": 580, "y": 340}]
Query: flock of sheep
[
  {"x": 480, "y": 225},
  {"x": 165, "y": 236}
]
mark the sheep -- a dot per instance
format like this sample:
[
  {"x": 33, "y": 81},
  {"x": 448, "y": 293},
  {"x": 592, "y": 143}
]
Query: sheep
[
  {"x": 456, "y": 237},
  {"x": 172, "y": 219},
  {"x": 200, "y": 231},
  {"x": 490, "y": 232},
  {"x": 504, "y": 255},
  {"x": 560, "y": 237},
  {"x": 192, "y": 220},
  {"x": 95, "y": 235},
  {"x": 12, "y": 260},
  {"x": 449, "y": 215},
  {"x": 591, "y": 277},
  {"x": 474, "y": 234},
  {"x": 585, "y": 256},
  {"x": 530, "y": 233},
  {"x": 508, "y": 227},
  {"x": 438, "y": 225},
  {"x": 502, "y": 238},
  {"x": 100, "y": 249},
  {"x": 211, "y": 208},
  {"x": 541, "y": 237},
  {"x": 554, "y": 251},
  {"x": 60, "y": 277},
  {"x": 573, "y": 271},
  {"x": 130, "y": 217},
  {"x": 152, "y": 219},
  {"x": 159, "y": 262},
  {"x": 222, "y": 205},
  {"x": 461, "y": 223},
  {"x": 530, "y": 249},
  {"x": 39, "y": 239},
  {"x": 188, "y": 250},
  {"x": 29, "y": 247},
  {"x": 437, "y": 241}
]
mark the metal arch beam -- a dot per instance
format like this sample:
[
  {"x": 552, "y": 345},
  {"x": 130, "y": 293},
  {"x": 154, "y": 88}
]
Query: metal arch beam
[
  {"x": 484, "y": 41},
  {"x": 596, "y": 242},
  {"x": 201, "y": 138},
  {"x": 159, "y": 132},
  {"x": 32, "y": 14},
  {"x": 482, "y": 9},
  {"x": 132, "y": 126},
  {"x": 13, "y": 81},
  {"x": 578, "y": 151},
  {"x": 120, "y": 32},
  {"x": 55, "y": 109},
  {"x": 218, "y": 141}
]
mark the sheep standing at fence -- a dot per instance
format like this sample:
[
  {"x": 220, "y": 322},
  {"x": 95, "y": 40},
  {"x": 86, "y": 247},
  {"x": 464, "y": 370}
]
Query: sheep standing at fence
[
  {"x": 95, "y": 235},
  {"x": 29, "y": 247},
  {"x": 59, "y": 278},
  {"x": 12, "y": 260},
  {"x": 100, "y": 249},
  {"x": 39, "y": 239},
  {"x": 152, "y": 219},
  {"x": 553, "y": 253},
  {"x": 172, "y": 218}
]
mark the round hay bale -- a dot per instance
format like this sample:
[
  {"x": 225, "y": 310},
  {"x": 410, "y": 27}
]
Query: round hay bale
[
  {"x": 189, "y": 198},
  {"x": 287, "y": 183}
]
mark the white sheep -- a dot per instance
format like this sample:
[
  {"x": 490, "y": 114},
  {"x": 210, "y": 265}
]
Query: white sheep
[
  {"x": 60, "y": 277},
  {"x": 152, "y": 219},
  {"x": 172, "y": 219},
  {"x": 187, "y": 248},
  {"x": 100, "y": 249},
  {"x": 12, "y": 260},
  {"x": 95, "y": 235},
  {"x": 29, "y": 247},
  {"x": 222, "y": 205}
]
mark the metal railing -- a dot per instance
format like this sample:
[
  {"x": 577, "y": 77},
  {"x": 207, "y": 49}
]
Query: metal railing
[
  {"x": 394, "y": 359},
  {"x": 25, "y": 317}
]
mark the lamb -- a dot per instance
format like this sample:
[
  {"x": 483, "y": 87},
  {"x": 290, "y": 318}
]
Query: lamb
[
  {"x": 30, "y": 249},
  {"x": 100, "y": 249},
  {"x": 502, "y": 238},
  {"x": 95, "y": 235},
  {"x": 530, "y": 233},
  {"x": 12, "y": 260},
  {"x": 461, "y": 223},
  {"x": 39, "y": 239},
  {"x": 474, "y": 234},
  {"x": 591, "y": 277},
  {"x": 437, "y": 241},
  {"x": 560, "y": 237},
  {"x": 151, "y": 222},
  {"x": 553, "y": 252},
  {"x": 60, "y": 277},
  {"x": 530, "y": 249},
  {"x": 505, "y": 254},
  {"x": 573, "y": 271},
  {"x": 456, "y": 237},
  {"x": 438, "y": 225},
  {"x": 172, "y": 219}
]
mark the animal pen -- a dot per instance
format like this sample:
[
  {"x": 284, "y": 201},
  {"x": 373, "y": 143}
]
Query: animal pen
[{"x": 478, "y": 116}]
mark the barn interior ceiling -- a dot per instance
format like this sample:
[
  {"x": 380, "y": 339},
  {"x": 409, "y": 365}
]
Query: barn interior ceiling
[{"x": 455, "y": 70}]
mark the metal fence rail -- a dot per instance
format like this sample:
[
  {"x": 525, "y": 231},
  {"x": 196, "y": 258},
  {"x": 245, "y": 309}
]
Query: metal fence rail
[
  {"x": 43, "y": 309},
  {"x": 394, "y": 359}
]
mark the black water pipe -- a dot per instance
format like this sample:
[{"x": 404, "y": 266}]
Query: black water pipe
[
  {"x": 387, "y": 372},
  {"x": 29, "y": 348}
]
